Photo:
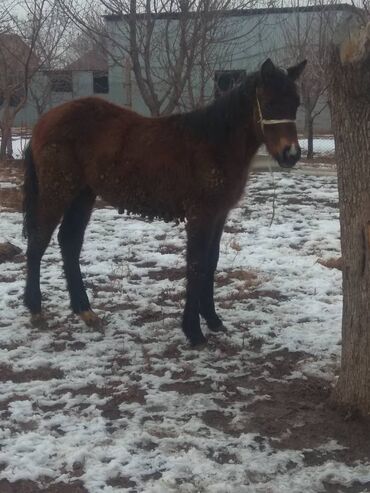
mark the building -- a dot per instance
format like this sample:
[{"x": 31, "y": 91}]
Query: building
[
  {"x": 243, "y": 40},
  {"x": 86, "y": 76}
]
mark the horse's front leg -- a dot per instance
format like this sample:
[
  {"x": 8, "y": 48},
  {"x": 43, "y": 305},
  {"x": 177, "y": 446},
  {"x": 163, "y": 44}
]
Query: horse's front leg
[
  {"x": 207, "y": 304},
  {"x": 199, "y": 237}
]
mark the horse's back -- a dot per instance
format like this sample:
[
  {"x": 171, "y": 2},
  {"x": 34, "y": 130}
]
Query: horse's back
[
  {"x": 69, "y": 138},
  {"x": 78, "y": 122}
]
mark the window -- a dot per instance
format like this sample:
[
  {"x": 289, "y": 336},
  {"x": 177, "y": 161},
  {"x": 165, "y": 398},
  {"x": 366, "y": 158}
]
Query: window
[
  {"x": 100, "y": 82},
  {"x": 225, "y": 80},
  {"x": 14, "y": 98},
  {"x": 61, "y": 81}
]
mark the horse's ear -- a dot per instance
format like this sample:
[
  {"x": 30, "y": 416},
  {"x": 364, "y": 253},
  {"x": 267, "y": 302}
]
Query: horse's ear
[
  {"x": 267, "y": 69},
  {"x": 295, "y": 71}
]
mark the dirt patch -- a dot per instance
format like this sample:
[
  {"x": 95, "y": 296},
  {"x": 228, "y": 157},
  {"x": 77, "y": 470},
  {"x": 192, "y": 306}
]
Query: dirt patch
[
  {"x": 24, "y": 486},
  {"x": 170, "y": 274},
  {"x": 356, "y": 487},
  {"x": 15, "y": 397},
  {"x": 146, "y": 264},
  {"x": 170, "y": 249},
  {"x": 148, "y": 316},
  {"x": 233, "y": 228},
  {"x": 243, "y": 293},
  {"x": 170, "y": 296},
  {"x": 296, "y": 201},
  {"x": 43, "y": 373},
  {"x": 121, "y": 482},
  {"x": 89, "y": 390},
  {"x": 11, "y": 196},
  {"x": 319, "y": 159},
  {"x": 281, "y": 363},
  {"x": 189, "y": 387},
  {"x": 171, "y": 352},
  {"x": 263, "y": 293},
  {"x": 59, "y": 346},
  {"x": 332, "y": 263},
  {"x": 223, "y": 457},
  {"x": 111, "y": 410},
  {"x": 248, "y": 278},
  {"x": 296, "y": 414},
  {"x": 8, "y": 251},
  {"x": 220, "y": 421},
  {"x": 11, "y": 199}
]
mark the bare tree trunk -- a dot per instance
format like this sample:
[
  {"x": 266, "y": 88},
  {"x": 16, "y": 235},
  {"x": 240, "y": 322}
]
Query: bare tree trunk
[
  {"x": 350, "y": 103},
  {"x": 9, "y": 145},
  {"x": 6, "y": 135},
  {"x": 309, "y": 134}
]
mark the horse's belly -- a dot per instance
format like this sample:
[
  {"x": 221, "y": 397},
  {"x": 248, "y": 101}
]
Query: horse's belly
[{"x": 147, "y": 203}]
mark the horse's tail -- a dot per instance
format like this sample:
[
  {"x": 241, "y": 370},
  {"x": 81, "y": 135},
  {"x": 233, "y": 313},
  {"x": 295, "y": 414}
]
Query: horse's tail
[{"x": 30, "y": 193}]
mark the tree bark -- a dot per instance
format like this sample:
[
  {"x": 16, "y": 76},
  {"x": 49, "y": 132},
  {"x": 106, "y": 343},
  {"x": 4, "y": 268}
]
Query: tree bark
[
  {"x": 349, "y": 76},
  {"x": 9, "y": 145},
  {"x": 6, "y": 135},
  {"x": 309, "y": 126}
]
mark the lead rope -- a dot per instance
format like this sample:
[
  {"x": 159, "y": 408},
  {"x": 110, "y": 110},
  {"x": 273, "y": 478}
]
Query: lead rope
[{"x": 263, "y": 122}]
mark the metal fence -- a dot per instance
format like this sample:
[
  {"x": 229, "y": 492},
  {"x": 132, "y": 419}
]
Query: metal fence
[
  {"x": 323, "y": 149},
  {"x": 20, "y": 139}
]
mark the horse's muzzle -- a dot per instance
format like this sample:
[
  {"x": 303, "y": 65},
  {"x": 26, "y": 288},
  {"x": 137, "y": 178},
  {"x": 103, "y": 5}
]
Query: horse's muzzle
[{"x": 289, "y": 156}]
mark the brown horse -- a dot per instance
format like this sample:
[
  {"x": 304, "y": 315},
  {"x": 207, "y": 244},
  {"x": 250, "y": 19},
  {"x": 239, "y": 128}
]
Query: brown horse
[{"x": 190, "y": 166}]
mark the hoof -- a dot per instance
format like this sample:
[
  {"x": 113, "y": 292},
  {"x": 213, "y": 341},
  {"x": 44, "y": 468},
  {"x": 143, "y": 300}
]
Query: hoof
[
  {"x": 214, "y": 323},
  {"x": 91, "y": 319},
  {"x": 218, "y": 328},
  {"x": 38, "y": 320},
  {"x": 198, "y": 341}
]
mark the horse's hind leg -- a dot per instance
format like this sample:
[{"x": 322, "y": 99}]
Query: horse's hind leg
[
  {"x": 199, "y": 236},
  {"x": 207, "y": 304},
  {"x": 38, "y": 238},
  {"x": 71, "y": 235},
  {"x": 40, "y": 220}
]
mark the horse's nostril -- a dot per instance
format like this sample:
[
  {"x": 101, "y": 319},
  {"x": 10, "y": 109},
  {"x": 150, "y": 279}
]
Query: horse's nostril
[{"x": 292, "y": 152}]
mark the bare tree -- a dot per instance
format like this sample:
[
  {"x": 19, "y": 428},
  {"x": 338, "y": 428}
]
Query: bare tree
[
  {"x": 308, "y": 36},
  {"x": 16, "y": 62},
  {"x": 54, "y": 47},
  {"x": 31, "y": 43},
  {"x": 170, "y": 43},
  {"x": 350, "y": 102}
]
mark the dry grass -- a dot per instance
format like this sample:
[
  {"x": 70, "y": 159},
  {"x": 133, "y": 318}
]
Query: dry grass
[
  {"x": 332, "y": 263},
  {"x": 247, "y": 277},
  {"x": 11, "y": 199},
  {"x": 8, "y": 252}
]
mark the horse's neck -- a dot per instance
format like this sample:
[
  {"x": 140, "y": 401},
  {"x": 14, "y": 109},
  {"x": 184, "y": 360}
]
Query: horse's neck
[
  {"x": 243, "y": 143},
  {"x": 244, "y": 137}
]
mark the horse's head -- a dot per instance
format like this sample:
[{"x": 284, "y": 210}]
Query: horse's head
[{"x": 276, "y": 106}]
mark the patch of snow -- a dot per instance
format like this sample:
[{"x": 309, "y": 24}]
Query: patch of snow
[{"x": 134, "y": 401}]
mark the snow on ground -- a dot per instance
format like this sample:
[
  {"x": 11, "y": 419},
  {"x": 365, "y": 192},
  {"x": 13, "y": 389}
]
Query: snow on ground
[
  {"x": 322, "y": 144},
  {"x": 19, "y": 143},
  {"x": 133, "y": 408}
]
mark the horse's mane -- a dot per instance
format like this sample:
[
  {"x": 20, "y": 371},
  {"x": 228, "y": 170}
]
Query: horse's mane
[{"x": 219, "y": 119}]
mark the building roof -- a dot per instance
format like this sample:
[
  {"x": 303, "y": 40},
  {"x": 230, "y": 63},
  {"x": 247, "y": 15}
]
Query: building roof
[
  {"x": 247, "y": 12},
  {"x": 16, "y": 53},
  {"x": 93, "y": 60}
]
